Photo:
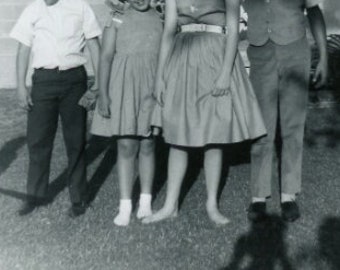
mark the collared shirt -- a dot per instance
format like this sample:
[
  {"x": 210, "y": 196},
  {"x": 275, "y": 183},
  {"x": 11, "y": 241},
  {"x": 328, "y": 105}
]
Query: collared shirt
[
  {"x": 57, "y": 34},
  {"x": 282, "y": 21}
]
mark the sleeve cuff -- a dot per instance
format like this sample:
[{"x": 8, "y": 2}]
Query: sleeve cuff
[
  {"x": 21, "y": 38},
  {"x": 93, "y": 34}
]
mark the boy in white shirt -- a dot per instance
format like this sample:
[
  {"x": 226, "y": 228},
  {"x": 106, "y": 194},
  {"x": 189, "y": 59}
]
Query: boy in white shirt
[{"x": 55, "y": 32}]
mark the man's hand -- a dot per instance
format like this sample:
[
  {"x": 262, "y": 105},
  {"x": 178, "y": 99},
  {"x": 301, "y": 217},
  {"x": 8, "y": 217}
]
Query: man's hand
[
  {"x": 321, "y": 74},
  {"x": 25, "y": 99}
]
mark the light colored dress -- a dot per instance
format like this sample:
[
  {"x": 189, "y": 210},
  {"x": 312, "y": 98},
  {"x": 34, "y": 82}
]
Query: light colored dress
[
  {"x": 191, "y": 116},
  {"x": 132, "y": 77}
]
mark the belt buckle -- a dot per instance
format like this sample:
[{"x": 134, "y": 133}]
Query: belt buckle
[{"x": 202, "y": 27}]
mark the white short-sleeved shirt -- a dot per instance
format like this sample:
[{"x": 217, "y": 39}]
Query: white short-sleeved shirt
[{"x": 57, "y": 33}]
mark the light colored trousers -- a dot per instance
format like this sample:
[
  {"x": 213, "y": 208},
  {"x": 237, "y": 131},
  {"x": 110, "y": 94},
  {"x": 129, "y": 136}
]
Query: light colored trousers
[{"x": 280, "y": 76}]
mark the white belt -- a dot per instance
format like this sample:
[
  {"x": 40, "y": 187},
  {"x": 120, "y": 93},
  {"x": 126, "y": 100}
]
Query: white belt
[{"x": 203, "y": 28}]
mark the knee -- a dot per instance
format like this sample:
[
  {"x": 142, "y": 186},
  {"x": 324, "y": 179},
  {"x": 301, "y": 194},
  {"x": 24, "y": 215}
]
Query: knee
[
  {"x": 127, "y": 149},
  {"x": 262, "y": 145},
  {"x": 293, "y": 132},
  {"x": 147, "y": 147}
]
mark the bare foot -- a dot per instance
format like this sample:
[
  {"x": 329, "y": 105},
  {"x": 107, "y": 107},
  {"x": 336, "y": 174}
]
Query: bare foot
[
  {"x": 160, "y": 215},
  {"x": 216, "y": 216}
]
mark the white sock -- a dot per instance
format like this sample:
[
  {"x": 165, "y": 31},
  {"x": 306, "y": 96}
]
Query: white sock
[
  {"x": 125, "y": 209},
  {"x": 285, "y": 197},
  {"x": 144, "y": 208},
  {"x": 258, "y": 199}
]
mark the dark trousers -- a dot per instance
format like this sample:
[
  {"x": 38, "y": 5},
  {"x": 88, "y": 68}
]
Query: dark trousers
[
  {"x": 56, "y": 93},
  {"x": 280, "y": 76}
]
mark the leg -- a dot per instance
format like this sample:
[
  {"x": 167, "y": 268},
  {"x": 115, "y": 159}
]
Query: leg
[
  {"x": 73, "y": 119},
  {"x": 178, "y": 162},
  {"x": 293, "y": 109},
  {"x": 264, "y": 77},
  {"x": 127, "y": 154},
  {"x": 213, "y": 170},
  {"x": 42, "y": 123},
  {"x": 146, "y": 174}
]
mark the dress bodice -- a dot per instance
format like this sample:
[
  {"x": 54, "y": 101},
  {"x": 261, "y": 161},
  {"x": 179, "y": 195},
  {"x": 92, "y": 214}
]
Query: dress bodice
[
  {"x": 139, "y": 32},
  {"x": 201, "y": 11}
]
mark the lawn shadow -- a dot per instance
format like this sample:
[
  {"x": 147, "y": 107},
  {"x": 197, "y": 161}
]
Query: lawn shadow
[
  {"x": 161, "y": 168},
  {"x": 329, "y": 241},
  {"x": 14, "y": 194},
  {"x": 237, "y": 153},
  {"x": 9, "y": 152},
  {"x": 96, "y": 145},
  {"x": 262, "y": 247},
  {"x": 326, "y": 255}
]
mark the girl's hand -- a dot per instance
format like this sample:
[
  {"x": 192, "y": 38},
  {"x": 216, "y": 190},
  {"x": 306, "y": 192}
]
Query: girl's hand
[
  {"x": 158, "y": 93},
  {"x": 104, "y": 106},
  {"x": 222, "y": 86}
]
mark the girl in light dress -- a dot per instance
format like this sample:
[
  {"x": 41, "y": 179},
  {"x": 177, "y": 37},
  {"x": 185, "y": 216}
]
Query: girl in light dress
[
  {"x": 126, "y": 101},
  {"x": 204, "y": 94}
]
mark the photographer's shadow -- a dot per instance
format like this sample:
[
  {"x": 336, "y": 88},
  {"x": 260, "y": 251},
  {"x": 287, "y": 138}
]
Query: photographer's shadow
[
  {"x": 262, "y": 248},
  {"x": 329, "y": 241}
]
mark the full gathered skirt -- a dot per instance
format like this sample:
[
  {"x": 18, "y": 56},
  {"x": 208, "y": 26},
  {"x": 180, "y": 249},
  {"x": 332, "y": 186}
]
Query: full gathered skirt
[
  {"x": 191, "y": 116},
  {"x": 131, "y": 95}
]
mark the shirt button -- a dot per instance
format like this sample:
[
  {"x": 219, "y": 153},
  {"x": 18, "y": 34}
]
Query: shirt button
[
  {"x": 269, "y": 30},
  {"x": 267, "y": 1}
]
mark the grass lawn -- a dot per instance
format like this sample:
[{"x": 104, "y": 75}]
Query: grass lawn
[{"x": 49, "y": 240}]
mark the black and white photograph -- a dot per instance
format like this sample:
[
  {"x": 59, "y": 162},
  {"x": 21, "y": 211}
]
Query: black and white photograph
[{"x": 169, "y": 135}]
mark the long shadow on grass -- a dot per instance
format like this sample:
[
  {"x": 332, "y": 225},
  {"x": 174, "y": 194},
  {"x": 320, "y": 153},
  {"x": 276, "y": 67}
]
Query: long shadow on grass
[
  {"x": 329, "y": 241},
  {"x": 96, "y": 146},
  {"x": 326, "y": 255},
  {"x": 8, "y": 153},
  {"x": 263, "y": 247}
]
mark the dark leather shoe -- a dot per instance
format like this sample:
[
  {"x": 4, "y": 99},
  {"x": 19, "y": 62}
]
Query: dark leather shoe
[
  {"x": 27, "y": 208},
  {"x": 257, "y": 211},
  {"x": 290, "y": 211},
  {"x": 77, "y": 209}
]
